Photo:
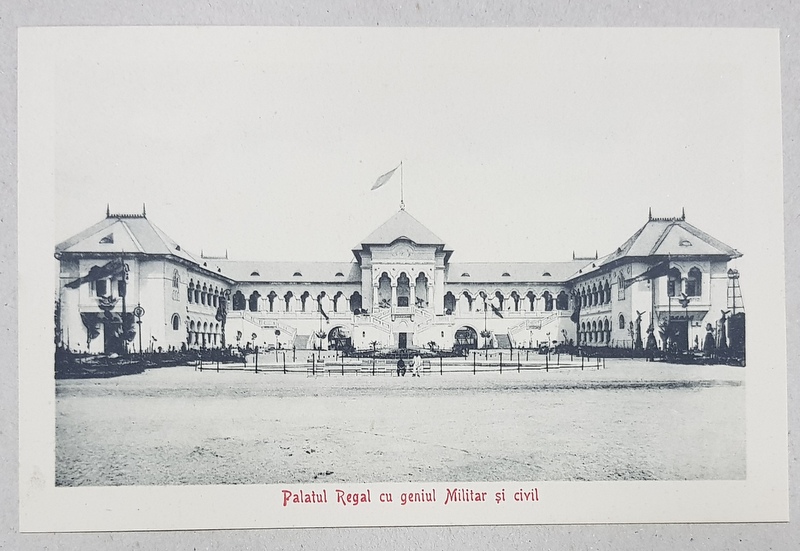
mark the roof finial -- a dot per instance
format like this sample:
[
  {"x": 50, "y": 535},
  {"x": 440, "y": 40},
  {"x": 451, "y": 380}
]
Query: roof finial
[
  {"x": 595, "y": 254},
  {"x": 683, "y": 213},
  {"x": 650, "y": 214},
  {"x": 144, "y": 210},
  {"x": 573, "y": 254}
]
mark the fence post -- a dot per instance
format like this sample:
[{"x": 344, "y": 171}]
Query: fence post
[
  {"x": 474, "y": 355},
  {"x": 526, "y": 354},
  {"x": 313, "y": 365},
  {"x": 256, "y": 359},
  {"x": 517, "y": 362},
  {"x": 558, "y": 358},
  {"x": 604, "y": 362},
  {"x": 373, "y": 364},
  {"x": 581, "y": 360},
  {"x": 440, "y": 365},
  {"x": 284, "y": 363},
  {"x": 217, "y": 368},
  {"x": 342, "y": 365},
  {"x": 501, "y": 363},
  {"x": 546, "y": 363}
]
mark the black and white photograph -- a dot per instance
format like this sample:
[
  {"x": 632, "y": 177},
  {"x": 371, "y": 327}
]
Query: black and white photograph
[{"x": 373, "y": 277}]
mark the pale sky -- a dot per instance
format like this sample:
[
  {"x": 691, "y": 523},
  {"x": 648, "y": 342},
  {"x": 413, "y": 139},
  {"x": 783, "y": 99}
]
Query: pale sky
[{"x": 517, "y": 144}]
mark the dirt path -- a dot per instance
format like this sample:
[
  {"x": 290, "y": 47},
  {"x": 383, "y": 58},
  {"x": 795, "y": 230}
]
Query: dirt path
[{"x": 631, "y": 421}]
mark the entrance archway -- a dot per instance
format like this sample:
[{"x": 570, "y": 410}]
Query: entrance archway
[
  {"x": 466, "y": 338},
  {"x": 339, "y": 339}
]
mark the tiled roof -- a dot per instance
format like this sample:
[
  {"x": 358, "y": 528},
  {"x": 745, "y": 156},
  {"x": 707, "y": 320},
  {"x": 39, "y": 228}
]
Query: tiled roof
[
  {"x": 402, "y": 225},
  {"x": 518, "y": 272},
  {"x": 284, "y": 271},
  {"x": 664, "y": 237},
  {"x": 117, "y": 234},
  {"x": 669, "y": 236}
]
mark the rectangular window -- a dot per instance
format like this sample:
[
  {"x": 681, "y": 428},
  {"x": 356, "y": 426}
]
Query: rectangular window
[{"x": 101, "y": 287}]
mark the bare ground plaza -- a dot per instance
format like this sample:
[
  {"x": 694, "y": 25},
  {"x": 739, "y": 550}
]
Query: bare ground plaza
[{"x": 629, "y": 420}]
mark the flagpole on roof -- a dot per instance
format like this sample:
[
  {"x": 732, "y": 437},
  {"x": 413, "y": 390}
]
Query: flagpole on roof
[{"x": 402, "y": 203}]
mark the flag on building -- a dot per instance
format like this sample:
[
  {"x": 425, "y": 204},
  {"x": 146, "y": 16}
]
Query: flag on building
[
  {"x": 496, "y": 311},
  {"x": 322, "y": 311},
  {"x": 659, "y": 270},
  {"x": 384, "y": 178},
  {"x": 111, "y": 269}
]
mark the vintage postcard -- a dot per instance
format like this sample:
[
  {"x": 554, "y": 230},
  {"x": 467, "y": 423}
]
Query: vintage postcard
[{"x": 302, "y": 277}]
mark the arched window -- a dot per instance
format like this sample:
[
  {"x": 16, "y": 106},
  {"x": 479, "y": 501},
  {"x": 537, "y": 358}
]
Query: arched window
[
  {"x": 238, "y": 301},
  {"x": 303, "y": 299},
  {"x": 176, "y": 279},
  {"x": 253, "y": 301},
  {"x": 469, "y": 299},
  {"x": 255, "y": 274},
  {"x": 548, "y": 301},
  {"x": 190, "y": 294},
  {"x": 449, "y": 302},
  {"x": 594, "y": 295},
  {"x": 607, "y": 293},
  {"x": 271, "y": 298},
  {"x": 176, "y": 322},
  {"x": 501, "y": 300},
  {"x": 355, "y": 301},
  {"x": 336, "y": 298},
  {"x": 621, "y": 321},
  {"x": 673, "y": 282},
  {"x": 531, "y": 299},
  {"x": 583, "y": 298},
  {"x": 403, "y": 290},
  {"x": 515, "y": 298},
  {"x": 607, "y": 329},
  {"x": 621, "y": 287},
  {"x": 562, "y": 301},
  {"x": 287, "y": 300},
  {"x": 203, "y": 294},
  {"x": 694, "y": 283}
]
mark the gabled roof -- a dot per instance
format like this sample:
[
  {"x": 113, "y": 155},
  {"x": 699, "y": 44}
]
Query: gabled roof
[
  {"x": 130, "y": 234},
  {"x": 284, "y": 271}
]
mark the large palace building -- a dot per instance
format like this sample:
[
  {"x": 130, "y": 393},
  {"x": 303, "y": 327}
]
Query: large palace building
[{"x": 124, "y": 284}]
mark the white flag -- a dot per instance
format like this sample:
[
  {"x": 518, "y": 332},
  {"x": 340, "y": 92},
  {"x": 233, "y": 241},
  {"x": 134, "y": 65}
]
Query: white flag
[{"x": 383, "y": 179}]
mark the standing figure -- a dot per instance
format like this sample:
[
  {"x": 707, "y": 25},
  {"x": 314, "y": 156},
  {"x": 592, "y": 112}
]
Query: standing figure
[
  {"x": 637, "y": 344},
  {"x": 401, "y": 368},
  {"x": 723, "y": 334},
  {"x": 651, "y": 345},
  {"x": 708, "y": 343}
]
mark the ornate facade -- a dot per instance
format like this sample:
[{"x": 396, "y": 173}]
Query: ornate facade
[{"x": 123, "y": 282}]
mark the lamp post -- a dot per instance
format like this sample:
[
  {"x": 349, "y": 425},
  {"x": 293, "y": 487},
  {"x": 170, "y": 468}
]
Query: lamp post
[{"x": 139, "y": 312}]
